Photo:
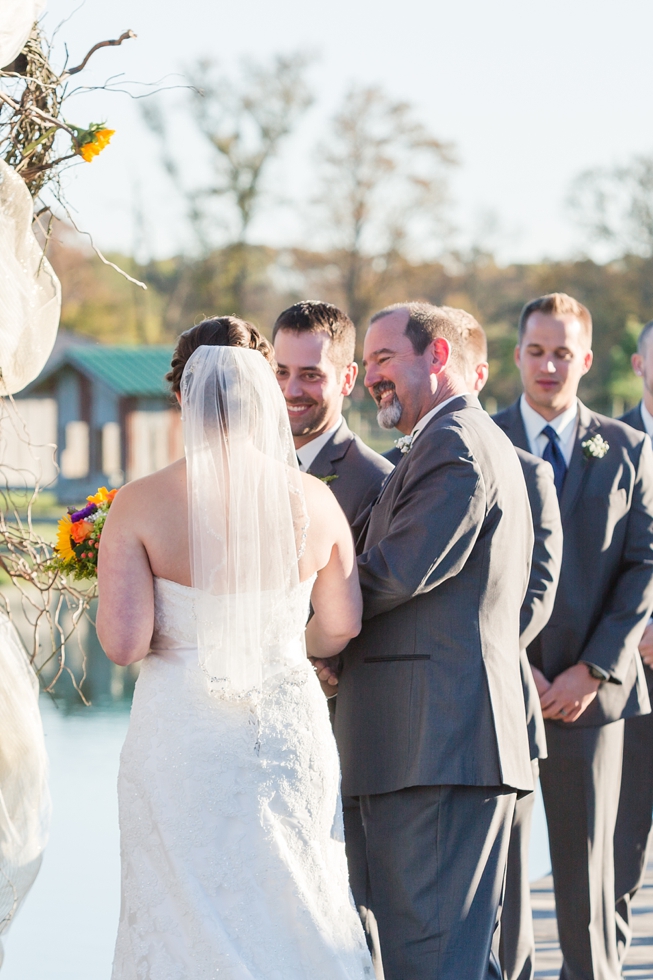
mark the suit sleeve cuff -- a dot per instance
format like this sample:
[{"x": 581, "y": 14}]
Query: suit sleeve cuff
[{"x": 596, "y": 671}]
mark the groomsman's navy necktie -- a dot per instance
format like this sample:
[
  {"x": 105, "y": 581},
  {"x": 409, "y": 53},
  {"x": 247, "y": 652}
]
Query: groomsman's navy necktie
[{"x": 553, "y": 454}]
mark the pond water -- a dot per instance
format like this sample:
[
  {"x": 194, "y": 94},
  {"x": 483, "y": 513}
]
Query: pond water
[{"x": 66, "y": 928}]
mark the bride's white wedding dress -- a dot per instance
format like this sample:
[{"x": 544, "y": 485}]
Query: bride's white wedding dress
[{"x": 233, "y": 866}]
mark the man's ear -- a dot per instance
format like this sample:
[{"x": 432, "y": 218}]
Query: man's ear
[
  {"x": 637, "y": 362},
  {"x": 349, "y": 378},
  {"x": 440, "y": 353},
  {"x": 587, "y": 361},
  {"x": 481, "y": 373}
]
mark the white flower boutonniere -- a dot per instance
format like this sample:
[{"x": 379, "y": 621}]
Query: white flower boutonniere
[
  {"x": 595, "y": 448},
  {"x": 405, "y": 443}
]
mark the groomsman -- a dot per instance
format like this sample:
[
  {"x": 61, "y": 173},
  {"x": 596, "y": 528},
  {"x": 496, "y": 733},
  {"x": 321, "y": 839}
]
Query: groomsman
[
  {"x": 430, "y": 723},
  {"x": 636, "y": 799},
  {"x": 314, "y": 347},
  {"x": 585, "y": 661},
  {"x": 514, "y": 945}
]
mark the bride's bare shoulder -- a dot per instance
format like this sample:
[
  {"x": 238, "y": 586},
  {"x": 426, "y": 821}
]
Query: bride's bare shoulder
[
  {"x": 327, "y": 520},
  {"x": 317, "y": 493},
  {"x": 159, "y": 486}
]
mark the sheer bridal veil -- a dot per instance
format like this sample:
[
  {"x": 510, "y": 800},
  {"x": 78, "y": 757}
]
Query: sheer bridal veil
[{"x": 247, "y": 519}]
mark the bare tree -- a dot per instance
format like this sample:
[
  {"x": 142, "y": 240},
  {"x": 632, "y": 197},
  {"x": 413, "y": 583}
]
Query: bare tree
[
  {"x": 615, "y": 206},
  {"x": 244, "y": 123},
  {"x": 383, "y": 190}
]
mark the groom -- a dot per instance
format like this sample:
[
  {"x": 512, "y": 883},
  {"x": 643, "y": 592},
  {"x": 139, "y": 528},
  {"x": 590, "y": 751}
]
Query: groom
[
  {"x": 430, "y": 724},
  {"x": 314, "y": 345}
]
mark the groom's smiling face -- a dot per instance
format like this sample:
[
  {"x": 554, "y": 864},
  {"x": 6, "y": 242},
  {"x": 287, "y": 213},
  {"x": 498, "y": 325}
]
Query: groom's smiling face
[{"x": 314, "y": 388}]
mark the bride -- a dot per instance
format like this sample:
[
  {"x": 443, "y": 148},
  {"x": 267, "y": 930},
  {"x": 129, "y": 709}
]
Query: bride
[{"x": 233, "y": 864}]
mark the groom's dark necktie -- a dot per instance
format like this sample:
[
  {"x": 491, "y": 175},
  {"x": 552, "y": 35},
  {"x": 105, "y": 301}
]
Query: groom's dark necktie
[{"x": 553, "y": 454}]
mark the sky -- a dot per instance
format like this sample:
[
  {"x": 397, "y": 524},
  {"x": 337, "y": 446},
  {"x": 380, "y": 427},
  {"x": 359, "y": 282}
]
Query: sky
[{"x": 531, "y": 94}]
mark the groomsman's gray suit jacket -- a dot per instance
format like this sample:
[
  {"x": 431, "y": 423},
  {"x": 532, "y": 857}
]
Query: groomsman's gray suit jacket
[
  {"x": 430, "y": 691},
  {"x": 634, "y": 419},
  {"x": 605, "y": 593},
  {"x": 542, "y": 584},
  {"x": 359, "y": 472}
]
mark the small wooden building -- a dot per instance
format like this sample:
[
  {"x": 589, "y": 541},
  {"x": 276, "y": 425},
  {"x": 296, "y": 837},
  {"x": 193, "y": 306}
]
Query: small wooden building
[{"x": 115, "y": 418}]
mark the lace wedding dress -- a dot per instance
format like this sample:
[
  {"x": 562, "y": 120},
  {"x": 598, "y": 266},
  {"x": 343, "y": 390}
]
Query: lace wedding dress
[{"x": 233, "y": 866}]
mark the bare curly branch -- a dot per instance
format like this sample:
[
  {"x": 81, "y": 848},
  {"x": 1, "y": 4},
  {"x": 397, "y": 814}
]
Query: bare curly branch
[{"x": 125, "y": 36}]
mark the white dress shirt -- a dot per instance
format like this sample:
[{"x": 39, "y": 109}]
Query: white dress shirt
[
  {"x": 565, "y": 424},
  {"x": 308, "y": 453},
  {"x": 425, "y": 419},
  {"x": 647, "y": 419}
]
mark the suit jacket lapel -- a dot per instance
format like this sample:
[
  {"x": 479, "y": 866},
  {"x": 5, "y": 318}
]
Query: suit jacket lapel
[
  {"x": 578, "y": 464},
  {"x": 512, "y": 424},
  {"x": 464, "y": 401},
  {"x": 334, "y": 450},
  {"x": 634, "y": 418}
]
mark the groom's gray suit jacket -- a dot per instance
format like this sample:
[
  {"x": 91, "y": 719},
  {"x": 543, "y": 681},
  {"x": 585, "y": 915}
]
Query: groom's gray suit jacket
[
  {"x": 354, "y": 472},
  {"x": 605, "y": 592},
  {"x": 430, "y": 691}
]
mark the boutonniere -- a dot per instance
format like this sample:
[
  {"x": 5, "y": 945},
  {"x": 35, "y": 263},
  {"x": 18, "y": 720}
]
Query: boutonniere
[
  {"x": 328, "y": 479},
  {"x": 404, "y": 444},
  {"x": 595, "y": 448}
]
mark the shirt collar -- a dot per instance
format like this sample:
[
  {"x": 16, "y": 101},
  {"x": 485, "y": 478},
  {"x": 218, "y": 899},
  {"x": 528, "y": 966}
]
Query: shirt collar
[
  {"x": 534, "y": 422},
  {"x": 425, "y": 419},
  {"x": 647, "y": 418},
  {"x": 308, "y": 453}
]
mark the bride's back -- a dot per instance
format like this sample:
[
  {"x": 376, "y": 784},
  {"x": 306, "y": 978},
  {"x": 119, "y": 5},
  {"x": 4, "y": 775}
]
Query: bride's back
[{"x": 156, "y": 507}]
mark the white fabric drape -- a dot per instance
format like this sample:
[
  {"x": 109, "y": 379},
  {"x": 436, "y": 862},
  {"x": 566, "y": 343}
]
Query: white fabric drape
[
  {"x": 247, "y": 519},
  {"x": 24, "y": 795},
  {"x": 30, "y": 293},
  {"x": 16, "y": 21}
]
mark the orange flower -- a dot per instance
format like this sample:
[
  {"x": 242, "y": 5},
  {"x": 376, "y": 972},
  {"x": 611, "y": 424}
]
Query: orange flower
[
  {"x": 94, "y": 146},
  {"x": 80, "y": 531}
]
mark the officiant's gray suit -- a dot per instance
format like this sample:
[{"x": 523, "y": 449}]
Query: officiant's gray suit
[
  {"x": 430, "y": 724},
  {"x": 603, "y": 601},
  {"x": 636, "y": 798}
]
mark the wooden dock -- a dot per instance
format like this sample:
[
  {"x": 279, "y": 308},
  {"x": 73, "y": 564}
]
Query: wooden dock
[{"x": 548, "y": 959}]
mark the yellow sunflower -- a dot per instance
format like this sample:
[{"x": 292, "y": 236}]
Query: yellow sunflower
[{"x": 63, "y": 545}]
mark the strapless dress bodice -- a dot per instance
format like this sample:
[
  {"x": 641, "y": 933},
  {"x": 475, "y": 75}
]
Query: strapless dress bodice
[{"x": 174, "y": 638}]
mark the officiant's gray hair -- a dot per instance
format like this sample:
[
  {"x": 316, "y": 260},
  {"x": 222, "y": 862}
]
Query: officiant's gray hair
[
  {"x": 472, "y": 334},
  {"x": 425, "y": 323}
]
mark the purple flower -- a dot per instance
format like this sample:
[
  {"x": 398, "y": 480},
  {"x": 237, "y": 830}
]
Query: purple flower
[{"x": 84, "y": 512}]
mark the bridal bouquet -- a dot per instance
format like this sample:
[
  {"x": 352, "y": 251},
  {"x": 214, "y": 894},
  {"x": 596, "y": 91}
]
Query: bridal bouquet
[{"x": 78, "y": 536}]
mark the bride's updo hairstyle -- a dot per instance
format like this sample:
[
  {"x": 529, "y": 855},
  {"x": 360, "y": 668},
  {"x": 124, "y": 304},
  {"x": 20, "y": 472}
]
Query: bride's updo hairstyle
[{"x": 218, "y": 331}]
